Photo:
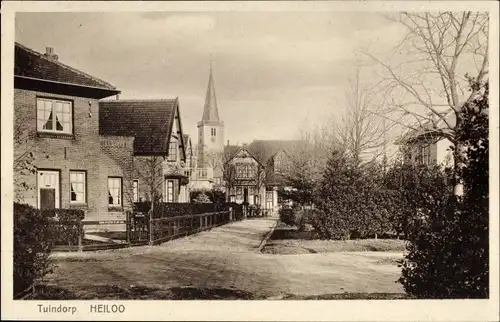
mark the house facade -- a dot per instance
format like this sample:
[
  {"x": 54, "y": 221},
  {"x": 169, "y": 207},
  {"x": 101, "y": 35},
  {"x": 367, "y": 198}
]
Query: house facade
[
  {"x": 60, "y": 160},
  {"x": 160, "y": 151},
  {"x": 244, "y": 178},
  {"x": 426, "y": 146},
  {"x": 257, "y": 171}
]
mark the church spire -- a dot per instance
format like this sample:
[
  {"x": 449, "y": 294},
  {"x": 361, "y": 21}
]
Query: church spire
[{"x": 210, "y": 111}]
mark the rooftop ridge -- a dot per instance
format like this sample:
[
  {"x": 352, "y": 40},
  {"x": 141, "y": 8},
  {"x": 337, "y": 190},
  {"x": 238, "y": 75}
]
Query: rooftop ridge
[{"x": 104, "y": 83}]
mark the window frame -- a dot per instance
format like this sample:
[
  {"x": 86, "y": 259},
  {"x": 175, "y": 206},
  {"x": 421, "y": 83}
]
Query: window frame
[
  {"x": 425, "y": 154},
  {"x": 167, "y": 190},
  {"x": 120, "y": 192},
  {"x": 173, "y": 146},
  {"x": 54, "y": 100},
  {"x": 135, "y": 190},
  {"x": 75, "y": 202}
]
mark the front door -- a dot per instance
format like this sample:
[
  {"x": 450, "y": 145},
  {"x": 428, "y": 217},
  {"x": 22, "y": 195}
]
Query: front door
[
  {"x": 48, "y": 189},
  {"x": 245, "y": 195}
]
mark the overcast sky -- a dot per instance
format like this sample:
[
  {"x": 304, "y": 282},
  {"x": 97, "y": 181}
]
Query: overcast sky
[{"x": 274, "y": 72}]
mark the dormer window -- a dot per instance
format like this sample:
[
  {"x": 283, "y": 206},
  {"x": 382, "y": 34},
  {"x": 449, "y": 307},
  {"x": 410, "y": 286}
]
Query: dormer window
[{"x": 54, "y": 116}]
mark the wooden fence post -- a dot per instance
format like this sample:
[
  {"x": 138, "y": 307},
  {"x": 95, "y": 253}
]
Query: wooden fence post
[
  {"x": 128, "y": 226},
  {"x": 150, "y": 224},
  {"x": 80, "y": 236}
]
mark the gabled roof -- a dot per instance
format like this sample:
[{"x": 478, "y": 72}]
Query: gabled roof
[
  {"x": 150, "y": 122},
  {"x": 230, "y": 151},
  {"x": 233, "y": 150},
  {"x": 426, "y": 130},
  {"x": 31, "y": 64},
  {"x": 264, "y": 150}
]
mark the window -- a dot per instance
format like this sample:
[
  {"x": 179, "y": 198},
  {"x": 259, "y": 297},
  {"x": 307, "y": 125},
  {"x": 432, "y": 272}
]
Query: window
[
  {"x": 77, "y": 186},
  {"x": 172, "y": 151},
  {"x": 245, "y": 170},
  {"x": 269, "y": 199},
  {"x": 425, "y": 154},
  {"x": 135, "y": 190},
  {"x": 54, "y": 116},
  {"x": 213, "y": 132},
  {"x": 239, "y": 193},
  {"x": 115, "y": 191},
  {"x": 170, "y": 190}
]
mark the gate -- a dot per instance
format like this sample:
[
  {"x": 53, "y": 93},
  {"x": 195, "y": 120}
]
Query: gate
[{"x": 138, "y": 228}]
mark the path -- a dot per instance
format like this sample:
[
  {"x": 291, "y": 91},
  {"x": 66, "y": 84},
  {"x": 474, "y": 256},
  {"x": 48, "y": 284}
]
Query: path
[{"x": 227, "y": 258}]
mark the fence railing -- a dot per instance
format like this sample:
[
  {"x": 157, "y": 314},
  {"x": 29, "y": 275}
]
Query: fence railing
[
  {"x": 136, "y": 229},
  {"x": 164, "y": 229}
]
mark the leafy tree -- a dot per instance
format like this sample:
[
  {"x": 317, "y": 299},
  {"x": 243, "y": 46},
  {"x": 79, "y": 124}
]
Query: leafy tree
[
  {"x": 419, "y": 190},
  {"x": 448, "y": 253}
]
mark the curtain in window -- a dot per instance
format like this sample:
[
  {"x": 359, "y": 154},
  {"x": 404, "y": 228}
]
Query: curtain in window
[
  {"x": 59, "y": 115},
  {"x": 44, "y": 114}
]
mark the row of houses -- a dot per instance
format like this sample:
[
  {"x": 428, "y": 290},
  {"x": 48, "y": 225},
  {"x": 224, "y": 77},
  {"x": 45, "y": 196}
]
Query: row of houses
[{"x": 77, "y": 145}]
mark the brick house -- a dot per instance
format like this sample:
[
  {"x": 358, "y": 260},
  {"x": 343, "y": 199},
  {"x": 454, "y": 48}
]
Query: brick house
[
  {"x": 159, "y": 149},
  {"x": 56, "y": 130}
]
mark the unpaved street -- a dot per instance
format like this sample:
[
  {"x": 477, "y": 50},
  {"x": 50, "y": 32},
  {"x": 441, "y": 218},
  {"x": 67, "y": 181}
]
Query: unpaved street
[{"x": 227, "y": 259}]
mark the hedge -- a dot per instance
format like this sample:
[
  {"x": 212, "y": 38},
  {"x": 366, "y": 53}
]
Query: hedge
[
  {"x": 32, "y": 242},
  {"x": 65, "y": 225},
  {"x": 164, "y": 209}
]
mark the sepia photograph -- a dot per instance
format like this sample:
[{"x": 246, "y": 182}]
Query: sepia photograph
[{"x": 249, "y": 153}]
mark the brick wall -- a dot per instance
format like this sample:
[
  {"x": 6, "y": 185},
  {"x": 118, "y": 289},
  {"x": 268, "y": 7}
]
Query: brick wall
[{"x": 83, "y": 151}]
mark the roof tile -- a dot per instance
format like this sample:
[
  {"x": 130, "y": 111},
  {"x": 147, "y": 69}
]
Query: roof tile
[
  {"x": 148, "y": 121},
  {"x": 29, "y": 63}
]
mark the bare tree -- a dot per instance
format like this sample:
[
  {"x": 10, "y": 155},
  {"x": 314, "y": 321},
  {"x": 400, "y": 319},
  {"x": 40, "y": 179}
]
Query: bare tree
[
  {"x": 151, "y": 168},
  {"x": 360, "y": 132},
  {"x": 25, "y": 154},
  {"x": 426, "y": 91},
  {"x": 228, "y": 171}
]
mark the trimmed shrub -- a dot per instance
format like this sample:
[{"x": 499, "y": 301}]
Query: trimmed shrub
[
  {"x": 65, "y": 225},
  {"x": 64, "y": 214},
  {"x": 286, "y": 216},
  {"x": 237, "y": 209},
  {"x": 32, "y": 242}
]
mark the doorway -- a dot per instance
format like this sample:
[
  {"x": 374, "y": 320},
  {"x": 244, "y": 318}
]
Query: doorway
[
  {"x": 245, "y": 195},
  {"x": 48, "y": 189}
]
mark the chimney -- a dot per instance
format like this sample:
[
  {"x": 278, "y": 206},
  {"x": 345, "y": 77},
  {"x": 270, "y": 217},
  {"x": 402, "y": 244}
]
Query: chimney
[
  {"x": 227, "y": 142},
  {"x": 49, "y": 53},
  {"x": 117, "y": 97}
]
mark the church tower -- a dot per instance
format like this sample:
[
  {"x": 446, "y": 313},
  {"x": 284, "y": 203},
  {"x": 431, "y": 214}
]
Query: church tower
[{"x": 210, "y": 128}]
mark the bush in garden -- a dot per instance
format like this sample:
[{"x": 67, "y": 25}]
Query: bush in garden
[
  {"x": 286, "y": 216},
  {"x": 448, "y": 252},
  {"x": 352, "y": 203},
  {"x": 32, "y": 242},
  {"x": 64, "y": 225},
  {"x": 202, "y": 198},
  {"x": 417, "y": 190}
]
